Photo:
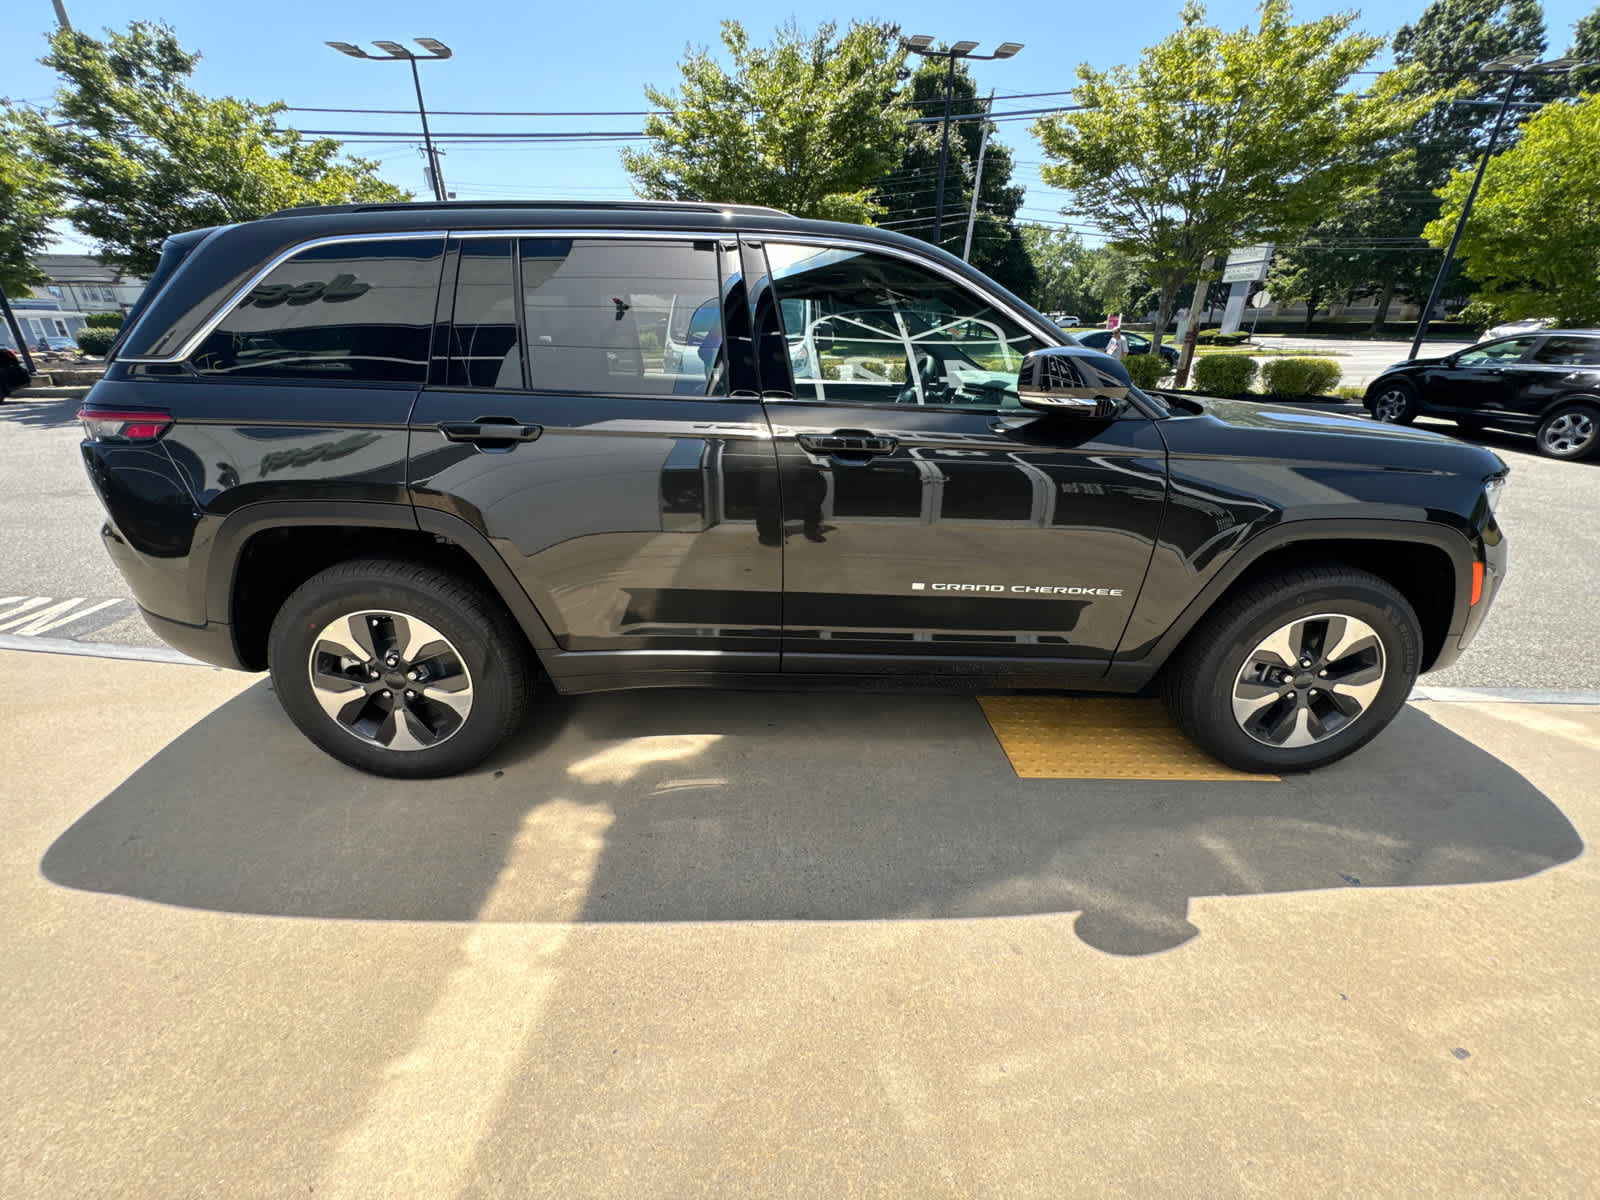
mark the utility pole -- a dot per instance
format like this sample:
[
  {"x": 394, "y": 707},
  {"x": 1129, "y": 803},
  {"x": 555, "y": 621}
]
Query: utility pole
[
  {"x": 61, "y": 15},
  {"x": 977, "y": 181},
  {"x": 1514, "y": 68},
  {"x": 920, "y": 45}
]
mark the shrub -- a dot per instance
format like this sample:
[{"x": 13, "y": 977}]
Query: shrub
[
  {"x": 95, "y": 341},
  {"x": 1224, "y": 374},
  {"x": 1146, "y": 370},
  {"x": 1215, "y": 337},
  {"x": 1301, "y": 376},
  {"x": 103, "y": 320}
]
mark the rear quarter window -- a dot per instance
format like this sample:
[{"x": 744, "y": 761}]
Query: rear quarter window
[{"x": 356, "y": 312}]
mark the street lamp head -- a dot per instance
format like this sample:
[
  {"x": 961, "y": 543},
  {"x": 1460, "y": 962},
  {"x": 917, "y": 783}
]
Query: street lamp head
[
  {"x": 440, "y": 50},
  {"x": 1007, "y": 49},
  {"x": 1557, "y": 66},
  {"x": 918, "y": 44},
  {"x": 395, "y": 49},
  {"x": 351, "y": 50},
  {"x": 1511, "y": 62},
  {"x": 962, "y": 49}
]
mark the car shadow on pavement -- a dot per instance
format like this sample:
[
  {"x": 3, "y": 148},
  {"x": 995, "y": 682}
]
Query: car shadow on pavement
[
  {"x": 49, "y": 411},
  {"x": 720, "y": 806}
]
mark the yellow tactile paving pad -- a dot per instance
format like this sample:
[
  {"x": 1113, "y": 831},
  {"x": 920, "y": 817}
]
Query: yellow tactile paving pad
[{"x": 1060, "y": 737}]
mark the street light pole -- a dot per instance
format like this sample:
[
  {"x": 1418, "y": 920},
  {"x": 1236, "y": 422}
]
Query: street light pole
[
  {"x": 398, "y": 53},
  {"x": 920, "y": 45},
  {"x": 977, "y": 181},
  {"x": 1515, "y": 68}
]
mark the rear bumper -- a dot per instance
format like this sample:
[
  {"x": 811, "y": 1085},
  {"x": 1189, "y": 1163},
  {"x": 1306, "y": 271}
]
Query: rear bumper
[{"x": 210, "y": 643}]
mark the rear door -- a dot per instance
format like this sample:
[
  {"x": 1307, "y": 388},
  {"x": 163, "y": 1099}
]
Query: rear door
[
  {"x": 633, "y": 497},
  {"x": 932, "y": 524},
  {"x": 1561, "y": 364}
]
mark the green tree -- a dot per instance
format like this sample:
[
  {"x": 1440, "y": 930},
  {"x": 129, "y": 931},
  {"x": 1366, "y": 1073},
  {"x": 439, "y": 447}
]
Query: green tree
[
  {"x": 30, "y": 199},
  {"x": 806, "y": 124},
  {"x": 1534, "y": 238},
  {"x": 1586, "y": 47},
  {"x": 1318, "y": 271},
  {"x": 1113, "y": 279},
  {"x": 1220, "y": 139},
  {"x": 142, "y": 155},
  {"x": 1057, "y": 256},
  {"x": 908, "y": 194}
]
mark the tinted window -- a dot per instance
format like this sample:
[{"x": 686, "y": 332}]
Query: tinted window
[
  {"x": 601, "y": 317},
  {"x": 483, "y": 333},
  {"x": 1569, "y": 352},
  {"x": 354, "y": 313},
  {"x": 870, "y": 328},
  {"x": 1507, "y": 351}
]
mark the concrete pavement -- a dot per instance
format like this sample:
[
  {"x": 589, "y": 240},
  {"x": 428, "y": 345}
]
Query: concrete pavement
[{"x": 676, "y": 944}]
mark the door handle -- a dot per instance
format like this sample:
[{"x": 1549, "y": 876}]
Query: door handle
[
  {"x": 848, "y": 443},
  {"x": 490, "y": 433}
]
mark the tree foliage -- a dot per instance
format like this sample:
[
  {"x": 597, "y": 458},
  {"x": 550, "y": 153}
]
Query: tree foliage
[
  {"x": 806, "y": 124},
  {"x": 908, "y": 194},
  {"x": 1534, "y": 238},
  {"x": 1218, "y": 139},
  {"x": 30, "y": 199},
  {"x": 142, "y": 155}
]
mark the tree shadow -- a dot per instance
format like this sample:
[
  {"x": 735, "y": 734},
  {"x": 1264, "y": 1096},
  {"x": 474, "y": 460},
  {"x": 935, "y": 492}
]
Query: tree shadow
[
  {"x": 716, "y": 806},
  {"x": 47, "y": 412}
]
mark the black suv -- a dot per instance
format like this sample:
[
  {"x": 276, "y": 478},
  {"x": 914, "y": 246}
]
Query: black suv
[
  {"x": 404, "y": 456},
  {"x": 1546, "y": 383}
]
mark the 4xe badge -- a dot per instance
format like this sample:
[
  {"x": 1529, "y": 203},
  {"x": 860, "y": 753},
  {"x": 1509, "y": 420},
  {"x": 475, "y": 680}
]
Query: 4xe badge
[{"x": 1018, "y": 589}]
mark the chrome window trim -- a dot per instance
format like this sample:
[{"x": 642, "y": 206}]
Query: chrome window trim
[{"x": 1046, "y": 333}]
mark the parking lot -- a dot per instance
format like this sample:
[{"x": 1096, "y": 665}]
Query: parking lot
[{"x": 683, "y": 943}]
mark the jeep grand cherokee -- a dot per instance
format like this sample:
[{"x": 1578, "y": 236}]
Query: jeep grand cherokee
[{"x": 404, "y": 456}]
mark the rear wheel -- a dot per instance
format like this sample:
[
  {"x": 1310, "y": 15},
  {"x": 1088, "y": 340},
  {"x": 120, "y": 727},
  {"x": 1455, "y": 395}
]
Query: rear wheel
[
  {"x": 1297, "y": 670},
  {"x": 1572, "y": 432},
  {"x": 1395, "y": 402},
  {"x": 398, "y": 668}
]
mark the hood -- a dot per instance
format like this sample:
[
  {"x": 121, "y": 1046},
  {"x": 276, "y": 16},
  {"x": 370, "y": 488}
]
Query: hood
[{"x": 1242, "y": 429}]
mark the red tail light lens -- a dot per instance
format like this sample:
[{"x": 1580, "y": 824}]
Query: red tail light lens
[{"x": 123, "y": 425}]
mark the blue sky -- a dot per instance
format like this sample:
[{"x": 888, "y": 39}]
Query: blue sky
[{"x": 596, "y": 56}]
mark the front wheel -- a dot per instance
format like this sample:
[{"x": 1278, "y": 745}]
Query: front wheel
[
  {"x": 398, "y": 668},
  {"x": 1571, "y": 432},
  {"x": 1297, "y": 670},
  {"x": 1395, "y": 403}
]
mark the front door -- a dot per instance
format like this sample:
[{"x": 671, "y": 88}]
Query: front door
[
  {"x": 1482, "y": 379},
  {"x": 590, "y": 414},
  {"x": 929, "y": 519}
]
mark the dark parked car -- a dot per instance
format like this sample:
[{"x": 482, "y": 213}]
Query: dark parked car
[
  {"x": 13, "y": 374},
  {"x": 1546, "y": 383},
  {"x": 1137, "y": 343},
  {"x": 404, "y": 456}
]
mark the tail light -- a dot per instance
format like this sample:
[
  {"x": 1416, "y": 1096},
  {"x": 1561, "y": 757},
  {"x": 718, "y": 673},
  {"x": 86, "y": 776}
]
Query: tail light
[{"x": 123, "y": 425}]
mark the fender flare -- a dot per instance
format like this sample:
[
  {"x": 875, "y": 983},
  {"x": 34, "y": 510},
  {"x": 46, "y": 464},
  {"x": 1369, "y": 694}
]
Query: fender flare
[{"x": 1289, "y": 533}]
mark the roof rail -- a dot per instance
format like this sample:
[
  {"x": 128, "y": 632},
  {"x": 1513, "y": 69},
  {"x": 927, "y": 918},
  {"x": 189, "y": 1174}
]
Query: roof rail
[{"x": 626, "y": 205}]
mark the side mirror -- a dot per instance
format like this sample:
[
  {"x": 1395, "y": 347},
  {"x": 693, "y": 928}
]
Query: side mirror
[{"x": 1073, "y": 380}]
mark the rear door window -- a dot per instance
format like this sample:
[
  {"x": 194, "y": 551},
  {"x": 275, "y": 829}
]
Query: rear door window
[
  {"x": 623, "y": 317},
  {"x": 1566, "y": 351},
  {"x": 351, "y": 312}
]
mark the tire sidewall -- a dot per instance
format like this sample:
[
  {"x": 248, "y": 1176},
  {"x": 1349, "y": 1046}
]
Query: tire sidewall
[
  {"x": 308, "y": 612},
  {"x": 1397, "y": 629}
]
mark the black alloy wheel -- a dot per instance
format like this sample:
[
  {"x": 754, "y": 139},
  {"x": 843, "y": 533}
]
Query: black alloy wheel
[{"x": 1571, "y": 432}]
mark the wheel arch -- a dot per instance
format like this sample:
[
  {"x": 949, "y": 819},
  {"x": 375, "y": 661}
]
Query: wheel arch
[
  {"x": 262, "y": 553},
  {"x": 1430, "y": 565}
]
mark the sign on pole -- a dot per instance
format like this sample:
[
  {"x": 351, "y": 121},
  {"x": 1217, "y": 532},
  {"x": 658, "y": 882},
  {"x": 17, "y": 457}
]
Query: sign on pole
[{"x": 1247, "y": 264}]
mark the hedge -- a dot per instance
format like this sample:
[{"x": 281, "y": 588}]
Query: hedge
[
  {"x": 1224, "y": 374},
  {"x": 95, "y": 341},
  {"x": 1301, "y": 376},
  {"x": 1215, "y": 337},
  {"x": 103, "y": 320},
  {"x": 1146, "y": 370}
]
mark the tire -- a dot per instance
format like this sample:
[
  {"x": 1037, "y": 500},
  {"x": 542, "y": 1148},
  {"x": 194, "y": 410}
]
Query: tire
[
  {"x": 1571, "y": 432},
  {"x": 1219, "y": 667},
  {"x": 340, "y": 627},
  {"x": 1395, "y": 402}
]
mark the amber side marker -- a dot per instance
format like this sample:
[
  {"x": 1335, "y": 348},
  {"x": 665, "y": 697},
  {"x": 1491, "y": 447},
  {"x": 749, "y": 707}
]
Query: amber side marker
[
  {"x": 1477, "y": 584},
  {"x": 1062, "y": 737}
]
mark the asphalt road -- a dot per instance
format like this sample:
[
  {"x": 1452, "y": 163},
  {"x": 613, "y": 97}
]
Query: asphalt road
[
  {"x": 1540, "y": 634},
  {"x": 1359, "y": 361}
]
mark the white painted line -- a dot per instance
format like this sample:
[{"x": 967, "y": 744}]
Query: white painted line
[
  {"x": 1490, "y": 695},
  {"x": 48, "y": 645}
]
